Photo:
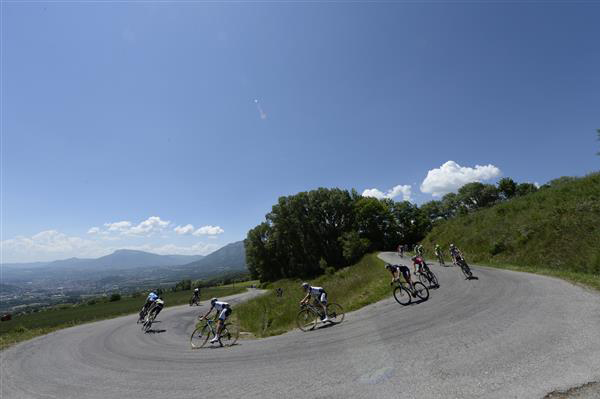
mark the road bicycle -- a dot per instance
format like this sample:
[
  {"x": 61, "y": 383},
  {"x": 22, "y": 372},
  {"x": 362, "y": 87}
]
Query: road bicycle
[
  {"x": 149, "y": 318},
  {"x": 205, "y": 332},
  {"x": 195, "y": 300},
  {"x": 440, "y": 258},
  {"x": 311, "y": 314},
  {"x": 427, "y": 277},
  {"x": 403, "y": 293},
  {"x": 142, "y": 314},
  {"x": 464, "y": 267}
]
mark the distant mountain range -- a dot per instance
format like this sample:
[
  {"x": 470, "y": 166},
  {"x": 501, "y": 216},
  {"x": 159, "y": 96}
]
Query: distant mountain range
[
  {"x": 121, "y": 259},
  {"x": 127, "y": 266}
]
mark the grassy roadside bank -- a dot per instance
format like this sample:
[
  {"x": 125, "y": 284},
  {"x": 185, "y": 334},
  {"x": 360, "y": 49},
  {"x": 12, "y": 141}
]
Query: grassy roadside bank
[
  {"x": 28, "y": 326},
  {"x": 582, "y": 279},
  {"x": 352, "y": 287}
]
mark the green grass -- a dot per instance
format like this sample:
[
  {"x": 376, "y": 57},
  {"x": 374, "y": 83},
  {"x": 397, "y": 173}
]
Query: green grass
[
  {"x": 28, "y": 326},
  {"x": 555, "y": 231},
  {"x": 352, "y": 287},
  {"x": 582, "y": 279}
]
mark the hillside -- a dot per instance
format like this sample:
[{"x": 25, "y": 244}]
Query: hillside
[
  {"x": 556, "y": 228},
  {"x": 232, "y": 257}
]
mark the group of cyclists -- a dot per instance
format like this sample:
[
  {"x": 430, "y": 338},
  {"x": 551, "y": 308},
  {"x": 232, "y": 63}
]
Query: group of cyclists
[{"x": 154, "y": 303}]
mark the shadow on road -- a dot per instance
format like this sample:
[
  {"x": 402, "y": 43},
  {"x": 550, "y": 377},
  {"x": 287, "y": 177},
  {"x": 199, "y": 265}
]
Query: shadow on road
[{"x": 152, "y": 331}]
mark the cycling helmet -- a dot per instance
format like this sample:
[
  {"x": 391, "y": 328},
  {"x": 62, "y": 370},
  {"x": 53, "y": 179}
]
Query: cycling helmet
[
  {"x": 305, "y": 285},
  {"x": 196, "y": 290},
  {"x": 451, "y": 245},
  {"x": 213, "y": 301}
]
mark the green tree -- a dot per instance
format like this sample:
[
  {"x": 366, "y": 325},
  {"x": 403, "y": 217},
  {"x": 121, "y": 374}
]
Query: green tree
[
  {"x": 477, "y": 195},
  {"x": 353, "y": 246},
  {"x": 526, "y": 188},
  {"x": 507, "y": 187}
]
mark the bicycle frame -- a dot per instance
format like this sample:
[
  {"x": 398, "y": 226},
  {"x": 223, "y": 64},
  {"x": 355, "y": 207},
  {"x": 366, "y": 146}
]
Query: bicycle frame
[{"x": 318, "y": 310}]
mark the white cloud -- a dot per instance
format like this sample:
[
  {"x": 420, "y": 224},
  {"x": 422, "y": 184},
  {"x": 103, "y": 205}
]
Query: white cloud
[
  {"x": 187, "y": 229},
  {"x": 209, "y": 230},
  {"x": 48, "y": 245},
  {"x": 451, "y": 176},
  {"x": 118, "y": 226},
  {"x": 149, "y": 226},
  {"x": 199, "y": 248},
  {"x": 404, "y": 190},
  {"x": 146, "y": 228}
]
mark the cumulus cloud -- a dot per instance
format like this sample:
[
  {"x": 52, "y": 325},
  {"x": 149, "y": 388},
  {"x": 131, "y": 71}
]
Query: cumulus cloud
[
  {"x": 187, "y": 229},
  {"x": 209, "y": 230},
  {"x": 48, "y": 245},
  {"x": 199, "y": 248},
  {"x": 148, "y": 227},
  {"x": 451, "y": 176},
  {"x": 118, "y": 226},
  {"x": 404, "y": 190}
]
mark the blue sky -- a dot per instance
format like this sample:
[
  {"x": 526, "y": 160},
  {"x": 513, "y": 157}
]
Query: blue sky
[{"x": 140, "y": 118}]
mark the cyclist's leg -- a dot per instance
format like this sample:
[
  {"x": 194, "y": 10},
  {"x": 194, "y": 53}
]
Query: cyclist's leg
[{"x": 323, "y": 303}]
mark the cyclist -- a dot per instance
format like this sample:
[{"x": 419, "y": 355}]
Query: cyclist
[
  {"x": 419, "y": 250},
  {"x": 150, "y": 300},
  {"x": 401, "y": 250},
  {"x": 319, "y": 294},
  {"x": 396, "y": 270},
  {"x": 418, "y": 263},
  {"x": 157, "y": 306},
  {"x": 196, "y": 294},
  {"x": 438, "y": 253},
  {"x": 223, "y": 311},
  {"x": 454, "y": 252}
]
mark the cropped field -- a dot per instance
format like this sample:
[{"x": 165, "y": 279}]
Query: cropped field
[{"x": 31, "y": 325}]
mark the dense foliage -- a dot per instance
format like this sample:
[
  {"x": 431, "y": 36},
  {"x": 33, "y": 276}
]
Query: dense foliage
[{"x": 307, "y": 233}]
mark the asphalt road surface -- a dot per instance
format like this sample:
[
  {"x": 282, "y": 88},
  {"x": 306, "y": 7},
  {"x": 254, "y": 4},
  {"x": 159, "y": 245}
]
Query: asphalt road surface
[{"x": 503, "y": 335}]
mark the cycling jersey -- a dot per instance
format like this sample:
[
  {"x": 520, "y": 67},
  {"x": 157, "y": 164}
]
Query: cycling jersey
[
  {"x": 318, "y": 293},
  {"x": 152, "y": 297},
  {"x": 219, "y": 306}
]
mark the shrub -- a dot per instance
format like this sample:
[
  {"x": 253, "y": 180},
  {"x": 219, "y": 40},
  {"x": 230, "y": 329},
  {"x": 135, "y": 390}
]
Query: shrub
[{"x": 115, "y": 297}]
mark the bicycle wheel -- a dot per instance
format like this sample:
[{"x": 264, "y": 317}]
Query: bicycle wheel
[
  {"x": 307, "y": 319},
  {"x": 200, "y": 336},
  {"x": 147, "y": 323},
  {"x": 402, "y": 295},
  {"x": 421, "y": 291},
  {"x": 230, "y": 334},
  {"x": 465, "y": 269},
  {"x": 434, "y": 280},
  {"x": 335, "y": 313},
  {"x": 424, "y": 279}
]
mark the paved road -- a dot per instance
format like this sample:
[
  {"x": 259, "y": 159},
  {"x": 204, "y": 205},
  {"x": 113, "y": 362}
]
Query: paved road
[{"x": 505, "y": 335}]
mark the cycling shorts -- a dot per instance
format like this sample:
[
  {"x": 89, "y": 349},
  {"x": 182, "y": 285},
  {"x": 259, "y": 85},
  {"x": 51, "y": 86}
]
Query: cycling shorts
[{"x": 405, "y": 271}]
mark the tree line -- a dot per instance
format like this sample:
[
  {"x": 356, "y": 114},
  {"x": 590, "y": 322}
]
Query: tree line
[{"x": 322, "y": 230}]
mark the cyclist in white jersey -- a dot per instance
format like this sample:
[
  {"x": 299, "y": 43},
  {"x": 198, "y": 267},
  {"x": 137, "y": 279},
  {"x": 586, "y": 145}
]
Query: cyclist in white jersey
[
  {"x": 223, "y": 311},
  {"x": 319, "y": 294}
]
